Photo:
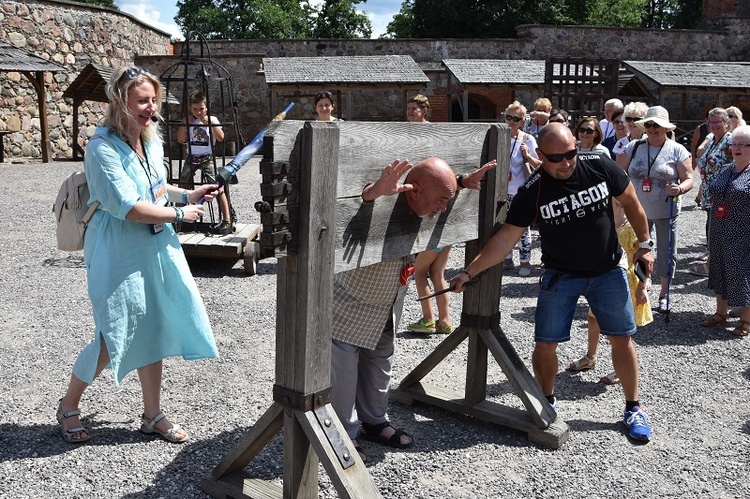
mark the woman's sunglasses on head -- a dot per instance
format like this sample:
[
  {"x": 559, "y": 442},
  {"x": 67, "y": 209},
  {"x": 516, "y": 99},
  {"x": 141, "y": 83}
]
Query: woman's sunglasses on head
[{"x": 631, "y": 119}]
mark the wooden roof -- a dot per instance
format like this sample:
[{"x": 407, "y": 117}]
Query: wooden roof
[
  {"x": 695, "y": 75},
  {"x": 16, "y": 59},
  {"x": 496, "y": 71},
  {"x": 384, "y": 70},
  {"x": 90, "y": 83}
]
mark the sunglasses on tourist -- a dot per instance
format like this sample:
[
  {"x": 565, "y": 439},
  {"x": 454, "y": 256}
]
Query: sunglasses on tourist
[
  {"x": 618, "y": 122},
  {"x": 715, "y": 123},
  {"x": 556, "y": 158},
  {"x": 514, "y": 119},
  {"x": 587, "y": 131},
  {"x": 731, "y": 116},
  {"x": 134, "y": 73},
  {"x": 651, "y": 124},
  {"x": 631, "y": 119}
]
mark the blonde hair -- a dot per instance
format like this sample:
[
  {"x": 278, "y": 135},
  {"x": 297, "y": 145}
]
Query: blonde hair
[
  {"x": 635, "y": 109},
  {"x": 544, "y": 103},
  {"x": 734, "y": 110},
  {"x": 118, "y": 90},
  {"x": 517, "y": 106}
]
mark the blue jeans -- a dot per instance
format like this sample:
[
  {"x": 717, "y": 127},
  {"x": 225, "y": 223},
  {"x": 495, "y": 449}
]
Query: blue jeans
[{"x": 608, "y": 297}]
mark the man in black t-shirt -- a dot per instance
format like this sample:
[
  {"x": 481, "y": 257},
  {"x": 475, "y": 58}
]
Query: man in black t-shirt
[{"x": 570, "y": 199}]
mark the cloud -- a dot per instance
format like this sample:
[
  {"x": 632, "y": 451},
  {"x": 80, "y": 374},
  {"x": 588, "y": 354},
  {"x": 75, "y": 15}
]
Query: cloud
[{"x": 145, "y": 12}]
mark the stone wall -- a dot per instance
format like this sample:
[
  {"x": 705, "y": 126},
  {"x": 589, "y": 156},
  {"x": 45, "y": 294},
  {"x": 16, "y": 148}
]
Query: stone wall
[{"x": 72, "y": 35}]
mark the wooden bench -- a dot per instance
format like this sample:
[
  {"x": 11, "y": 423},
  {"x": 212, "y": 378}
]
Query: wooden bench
[{"x": 3, "y": 133}]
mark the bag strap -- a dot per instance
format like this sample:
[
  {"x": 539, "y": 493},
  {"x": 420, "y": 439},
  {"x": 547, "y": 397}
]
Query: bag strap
[{"x": 95, "y": 204}]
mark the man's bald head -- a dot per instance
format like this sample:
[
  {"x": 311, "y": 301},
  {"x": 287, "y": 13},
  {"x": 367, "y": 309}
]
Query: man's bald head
[
  {"x": 556, "y": 139},
  {"x": 434, "y": 185}
]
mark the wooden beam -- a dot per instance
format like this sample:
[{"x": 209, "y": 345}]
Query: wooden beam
[{"x": 37, "y": 80}]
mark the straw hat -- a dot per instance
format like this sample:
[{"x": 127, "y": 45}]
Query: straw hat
[{"x": 659, "y": 115}]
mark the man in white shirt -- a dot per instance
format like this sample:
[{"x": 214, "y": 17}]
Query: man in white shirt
[{"x": 610, "y": 107}]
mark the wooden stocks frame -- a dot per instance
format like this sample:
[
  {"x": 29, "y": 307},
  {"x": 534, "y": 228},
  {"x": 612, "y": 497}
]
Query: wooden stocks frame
[{"x": 313, "y": 175}]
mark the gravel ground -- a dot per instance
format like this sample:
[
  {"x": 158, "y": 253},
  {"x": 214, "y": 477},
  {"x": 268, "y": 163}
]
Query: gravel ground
[{"x": 694, "y": 384}]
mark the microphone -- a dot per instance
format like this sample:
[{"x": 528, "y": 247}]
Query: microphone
[{"x": 157, "y": 118}]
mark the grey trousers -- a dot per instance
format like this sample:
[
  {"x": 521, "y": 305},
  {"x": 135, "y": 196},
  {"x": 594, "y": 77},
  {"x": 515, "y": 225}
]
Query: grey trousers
[{"x": 361, "y": 378}]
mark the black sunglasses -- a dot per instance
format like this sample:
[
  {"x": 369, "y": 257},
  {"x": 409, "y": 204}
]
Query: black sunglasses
[
  {"x": 587, "y": 131},
  {"x": 514, "y": 119},
  {"x": 631, "y": 119},
  {"x": 650, "y": 124},
  {"x": 134, "y": 73},
  {"x": 731, "y": 116},
  {"x": 556, "y": 158}
]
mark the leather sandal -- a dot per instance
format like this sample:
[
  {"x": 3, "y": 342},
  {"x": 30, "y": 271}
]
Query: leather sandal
[
  {"x": 68, "y": 435},
  {"x": 583, "y": 364},
  {"x": 714, "y": 320},
  {"x": 148, "y": 426},
  {"x": 742, "y": 329},
  {"x": 373, "y": 433}
]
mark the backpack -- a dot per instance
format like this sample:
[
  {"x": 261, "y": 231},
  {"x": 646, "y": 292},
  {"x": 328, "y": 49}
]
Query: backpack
[{"x": 72, "y": 212}]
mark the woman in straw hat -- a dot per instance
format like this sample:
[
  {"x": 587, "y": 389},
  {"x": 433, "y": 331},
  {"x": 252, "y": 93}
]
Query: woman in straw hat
[{"x": 661, "y": 171}]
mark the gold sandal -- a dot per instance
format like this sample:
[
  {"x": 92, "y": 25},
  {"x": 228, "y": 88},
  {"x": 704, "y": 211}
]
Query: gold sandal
[
  {"x": 148, "y": 426},
  {"x": 583, "y": 364}
]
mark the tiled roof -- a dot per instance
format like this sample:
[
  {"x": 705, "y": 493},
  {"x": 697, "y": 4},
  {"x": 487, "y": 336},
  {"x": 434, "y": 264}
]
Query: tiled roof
[
  {"x": 344, "y": 70},
  {"x": 694, "y": 74},
  {"x": 15, "y": 59},
  {"x": 497, "y": 71}
]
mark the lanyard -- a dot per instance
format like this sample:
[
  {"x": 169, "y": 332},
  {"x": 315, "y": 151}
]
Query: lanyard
[
  {"x": 648, "y": 155},
  {"x": 146, "y": 170}
]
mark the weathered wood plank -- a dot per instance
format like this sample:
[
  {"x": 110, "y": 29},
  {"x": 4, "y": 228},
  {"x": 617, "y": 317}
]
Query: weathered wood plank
[
  {"x": 252, "y": 442},
  {"x": 445, "y": 348},
  {"x": 239, "y": 485},
  {"x": 353, "y": 482},
  {"x": 553, "y": 436},
  {"x": 300, "y": 461}
]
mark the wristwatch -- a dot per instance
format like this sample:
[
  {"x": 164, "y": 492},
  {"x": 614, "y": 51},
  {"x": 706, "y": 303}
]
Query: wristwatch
[{"x": 649, "y": 245}]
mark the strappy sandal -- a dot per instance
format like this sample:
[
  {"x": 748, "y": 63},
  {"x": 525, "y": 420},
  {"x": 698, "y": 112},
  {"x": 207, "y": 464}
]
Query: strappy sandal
[
  {"x": 68, "y": 434},
  {"x": 582, "y": 364},
  {"x": 714, "y": 320},
  {"x": 148, "y": 426},
  {"x": 373, "y": 433},
  {"x": 610, "y": 379},
  {"x": 742, "y": 329}
]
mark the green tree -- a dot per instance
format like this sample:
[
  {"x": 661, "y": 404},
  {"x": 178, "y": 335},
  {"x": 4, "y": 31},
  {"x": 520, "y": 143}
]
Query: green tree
[
  {"x": 499, "y": 18},
  {"x": 340, "y": 19},
  {"x": 103, "y": 3},
  {"x": 244, "y": 19}
]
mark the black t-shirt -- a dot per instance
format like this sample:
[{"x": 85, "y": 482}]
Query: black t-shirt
[{"x": 574, "y": 216}]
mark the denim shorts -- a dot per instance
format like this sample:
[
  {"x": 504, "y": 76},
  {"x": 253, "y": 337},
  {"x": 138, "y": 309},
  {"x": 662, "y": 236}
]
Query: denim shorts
[{"x": 608, "y": 297}]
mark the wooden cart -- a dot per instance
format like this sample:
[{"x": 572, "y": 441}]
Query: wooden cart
[{"x": 240, "y": 244}]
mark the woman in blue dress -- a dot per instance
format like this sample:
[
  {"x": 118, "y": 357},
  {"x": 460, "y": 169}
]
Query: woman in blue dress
[{"x": 145, "y": 301}]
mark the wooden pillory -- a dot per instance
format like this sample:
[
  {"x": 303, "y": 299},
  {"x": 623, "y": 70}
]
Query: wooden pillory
[{"x": 313, "y": 174}]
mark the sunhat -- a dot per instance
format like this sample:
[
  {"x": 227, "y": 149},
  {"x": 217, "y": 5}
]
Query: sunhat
[{"x": 658, "y": 115}]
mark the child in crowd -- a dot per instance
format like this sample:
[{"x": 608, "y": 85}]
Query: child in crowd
[{"x": 197, "y": 135}]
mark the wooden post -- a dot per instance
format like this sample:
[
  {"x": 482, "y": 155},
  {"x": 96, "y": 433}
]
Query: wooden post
[
  {"x": 312, "y": 430},
  {"x": 37, "y": 80}
]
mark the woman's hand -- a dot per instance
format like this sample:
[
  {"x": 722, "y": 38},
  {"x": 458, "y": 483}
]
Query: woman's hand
[
  {"x": 193, "y": 212},
  {"x": 209, "y": 191}
]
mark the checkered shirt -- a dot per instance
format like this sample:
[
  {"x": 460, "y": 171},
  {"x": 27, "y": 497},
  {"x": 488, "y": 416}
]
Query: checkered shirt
[{"x": 362, "y": 301}]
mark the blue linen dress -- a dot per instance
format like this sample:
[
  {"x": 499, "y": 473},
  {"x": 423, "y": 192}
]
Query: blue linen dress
[{"x": 145, "y": 301}]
